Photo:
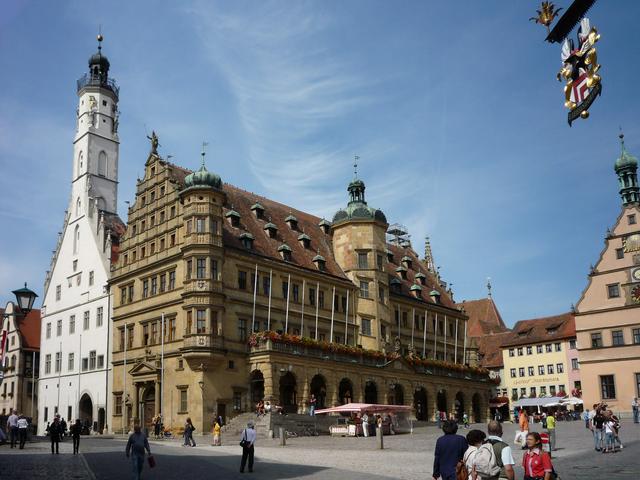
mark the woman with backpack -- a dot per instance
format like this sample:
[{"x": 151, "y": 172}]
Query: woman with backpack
[
  {"x": 536, "y": 462},
  {"x": 475, "y": 439}
]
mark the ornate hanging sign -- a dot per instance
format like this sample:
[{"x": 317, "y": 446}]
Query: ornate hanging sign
[{"x": 579, "y": 63}]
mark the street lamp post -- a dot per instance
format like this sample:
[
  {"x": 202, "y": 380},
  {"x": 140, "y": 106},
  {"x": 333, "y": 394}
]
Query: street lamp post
[{"x": 25, "y": 299}]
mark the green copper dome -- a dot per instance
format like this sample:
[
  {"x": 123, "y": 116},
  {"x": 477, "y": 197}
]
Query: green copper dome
[
  {"x": 625, "y": 160},
  {"x": 203, "y": 178},
  {"x": 357, "y": 208}
]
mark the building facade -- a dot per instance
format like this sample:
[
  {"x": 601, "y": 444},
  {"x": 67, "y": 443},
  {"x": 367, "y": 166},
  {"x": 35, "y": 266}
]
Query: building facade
[
  {"x": 536, "y": 357},
  {"x": 22, "y": 357},
  {"x": 607, "y": 322},
  {"x": 75, "y": 335},
  {"x": 224, "y": 298}
]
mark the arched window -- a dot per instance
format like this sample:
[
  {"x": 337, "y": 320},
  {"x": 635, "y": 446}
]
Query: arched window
[
  {"x": 80, "y": 164},
  {"x": 102, "y": 164},
  {"x": 78, "y": 205},
  {"x": 76, "y": 239}
]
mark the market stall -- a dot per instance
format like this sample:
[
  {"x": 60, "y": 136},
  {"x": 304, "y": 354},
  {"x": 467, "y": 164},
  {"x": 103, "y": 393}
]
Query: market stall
[{"x": 393, "y": 418}]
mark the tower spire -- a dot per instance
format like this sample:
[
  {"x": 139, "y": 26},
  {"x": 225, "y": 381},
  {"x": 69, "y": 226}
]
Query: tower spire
[
  {"x": 489, "y": 287},
  {"x": 626, "y": 167}
]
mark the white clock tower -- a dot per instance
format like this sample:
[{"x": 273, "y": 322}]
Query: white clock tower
[{"x": 75, "y": 351}]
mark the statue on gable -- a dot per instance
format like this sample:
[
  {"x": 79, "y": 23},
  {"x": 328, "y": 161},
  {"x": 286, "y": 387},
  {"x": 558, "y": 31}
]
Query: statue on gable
[{"x": 154, "y": 142}]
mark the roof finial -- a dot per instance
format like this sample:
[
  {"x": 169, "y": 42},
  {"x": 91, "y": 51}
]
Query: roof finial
[
  {"x": 489, "y": 287},
  {"x": 621, "y": 137},
  {"x": 204, "y": 144},
  {"x": 355, "y": 166},
  {"x": 100, "y": 37}
]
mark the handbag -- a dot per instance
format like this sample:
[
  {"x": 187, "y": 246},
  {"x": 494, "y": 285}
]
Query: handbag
[
  {"x": 152, "y": 461},
  {"x": 243, "y": 442},
  {"x": 462, "y": 473}
]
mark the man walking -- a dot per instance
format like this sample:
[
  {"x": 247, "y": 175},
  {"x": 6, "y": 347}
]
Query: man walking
[
  {"x": 550, "y": 427},
  {"x": 312, "y": 405},
  {"x": 136, "y": 446},
  {"x": 23, "y": 424},
  {"x": 365, "y": 424},
  {"x": 504, "y": 457},
  {"x": 450, "y": 449},
  {"x": 597, "y": 424},
  {"x": 634, "y": 408},
  {"x": 75, "y": 431},
  {"x": 248, "y": 441},
  {"x": 55, "y": 430},
  {"x": 12, "y": 428}
]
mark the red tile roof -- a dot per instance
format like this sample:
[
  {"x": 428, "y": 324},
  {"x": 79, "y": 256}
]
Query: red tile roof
[
  {"x": 484, "y": 317},
  {"x": 29, "y": 327},
  {"x": 489, "y": 349},
  {"x": 545, "y": 329}
]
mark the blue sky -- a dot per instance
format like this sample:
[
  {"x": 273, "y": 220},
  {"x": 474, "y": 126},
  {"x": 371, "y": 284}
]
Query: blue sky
[{"x": 453, "y": 108}]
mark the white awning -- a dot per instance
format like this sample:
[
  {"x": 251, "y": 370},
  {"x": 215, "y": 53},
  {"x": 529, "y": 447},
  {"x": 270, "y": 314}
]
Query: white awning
[{"x": 537, "y": 402}]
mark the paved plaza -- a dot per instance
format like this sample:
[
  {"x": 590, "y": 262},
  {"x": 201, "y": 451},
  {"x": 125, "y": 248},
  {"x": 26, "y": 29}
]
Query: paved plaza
[{"x": 404, "y": 456}]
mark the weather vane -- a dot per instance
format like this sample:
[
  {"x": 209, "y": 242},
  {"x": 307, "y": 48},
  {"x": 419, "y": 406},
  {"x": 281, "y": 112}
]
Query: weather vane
[
  {"x": 204, "y": 145},
  {"x": 355, "y": 165},
  {"x": 579, "y": 64}
]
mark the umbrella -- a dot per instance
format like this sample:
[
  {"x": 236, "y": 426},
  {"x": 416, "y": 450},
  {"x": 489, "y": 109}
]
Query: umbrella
[{"x": 571, "y": 401}]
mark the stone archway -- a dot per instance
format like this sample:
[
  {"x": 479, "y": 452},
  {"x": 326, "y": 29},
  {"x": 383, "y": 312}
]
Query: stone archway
[
  {"x": 476, "y": 408},
  {"x": 459, "y": 406},
  {"x": 441, "y": 401},
  {"x": 318, "y": 388},
  {"x": 86, "y": 413},
  {"x": 420, "y": 404},
  {"x": 256, "y": 387},
  {"x": 396, "y": 394},
  {"x": 370, "y": 392},
  {"x": 345, "y": 391},
  {"x": 288, "y": 393}
]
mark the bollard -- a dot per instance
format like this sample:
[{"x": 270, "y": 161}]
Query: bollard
[
  {"x": 379, "y": 439},
  {"x": 283, "y": 437}
]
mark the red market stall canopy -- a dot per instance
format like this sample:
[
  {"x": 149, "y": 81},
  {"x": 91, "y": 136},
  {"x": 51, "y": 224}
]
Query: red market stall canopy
[{"x": 366, "y": 407}]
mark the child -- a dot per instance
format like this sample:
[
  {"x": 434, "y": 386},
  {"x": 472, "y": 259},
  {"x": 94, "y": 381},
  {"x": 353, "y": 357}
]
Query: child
[{"x": 216, "y": 435}]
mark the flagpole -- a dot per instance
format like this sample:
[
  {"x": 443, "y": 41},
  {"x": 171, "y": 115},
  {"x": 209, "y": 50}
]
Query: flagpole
[
  {"x": 346, "y": 321},
  {"x": 286, "y": 315},
  {"x": 435, "y": 338},
  {"x": 413, "y": 324},
  {"x": 304, "y": 286},
  {"x": 317, "y": 306},
  {"x": 270, "y": 290},
  {"x": 424, "y": 338},
  {"x": 59, "y": 373},
  {"x": 333, "y": 307},
  {"x": 124, "y": 382},
  {"x": 33, "y": 381},
  {"x": 445, "y": 338},
  {"x": 255, "y": 292},
  {"x": 464, "y": 350},
  {"x": 455, "y": 351}
]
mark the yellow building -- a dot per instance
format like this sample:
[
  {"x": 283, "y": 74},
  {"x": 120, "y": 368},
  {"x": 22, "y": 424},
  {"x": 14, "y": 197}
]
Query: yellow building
[
  {"x": 607, "y": 321},
  {"x": 337, "y": 309},
  {"x": 537, "y": 357}
]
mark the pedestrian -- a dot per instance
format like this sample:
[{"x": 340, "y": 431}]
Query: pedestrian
[
  {"x": 23, "y": 424},
  {"x": 536, "y": 462},
  {"x": 55, "y": 430},
  {"x": 586, "y": 418},
  {"x": 63, "y": 426},
  {"x": 634, "y": 409},
  {"x": 365, "y": 424},
  {"x": 312, "y": 405},
  {"x": 136, "y": 446},
  {"x": 465, "y": 420},
  {"x": 216, "y": 434},
  {"x": 524, "y": 428},
  {"x": 450, "y": 449},
  {"x": 75, "y": 431},
  {"x": 188, "y": 434},
  {"x": 475, "y": 438},
  {"x": 12, "y": 428},
  {"x": 248, "y": 442},
  {"x": 597, "y": 425},
  {"x": 616, "y": 430},
  {"x": 550, "y": 428}
]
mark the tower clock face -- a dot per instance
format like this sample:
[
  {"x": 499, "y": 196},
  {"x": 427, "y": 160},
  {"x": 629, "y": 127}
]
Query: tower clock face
[
  {"x": 635, "y": 294},
  {"x": 635, "y": 275}
]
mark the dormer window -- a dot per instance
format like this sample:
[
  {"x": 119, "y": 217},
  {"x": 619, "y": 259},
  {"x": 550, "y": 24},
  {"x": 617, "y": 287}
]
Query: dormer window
[
  {"x": 402, "y": 272},
  {"x": 234, "y": 217},
  {"x": 271, "y": 230},
  {"x": 292, "y": 222},
  {"x": 395, "y": 285},
  {"x": 435, "y": 296},
  {"x": 320, "y": 262},
  {"x": 258, "y": 210},
  {"x": 325, "y": 225},
  {"x": 285, "y": 252},
  {"x": 247, "y": 240},
  {"x": 406, "y": 261},
  {"x": 421, "y": 278},
  {"x": 416, "y": 290},
  {"x": 304, "y": 240}
]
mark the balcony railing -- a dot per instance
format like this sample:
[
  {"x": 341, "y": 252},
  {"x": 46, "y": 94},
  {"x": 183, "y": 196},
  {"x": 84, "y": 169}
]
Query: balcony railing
[
  {"x": 365, "y": 360},
  {"x": 98, "y": 81},
  {"x": 203, "y": 341}
]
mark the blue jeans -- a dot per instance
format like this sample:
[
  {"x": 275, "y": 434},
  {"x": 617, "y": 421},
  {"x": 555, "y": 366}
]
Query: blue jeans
[
  {"x": 312, "y": 410},
  {"x": 598, "y": 437},
  {"x": 609, "y": 441},
  {"x": 636, "y": 415},
  {"x": 137, "y": 462}
]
